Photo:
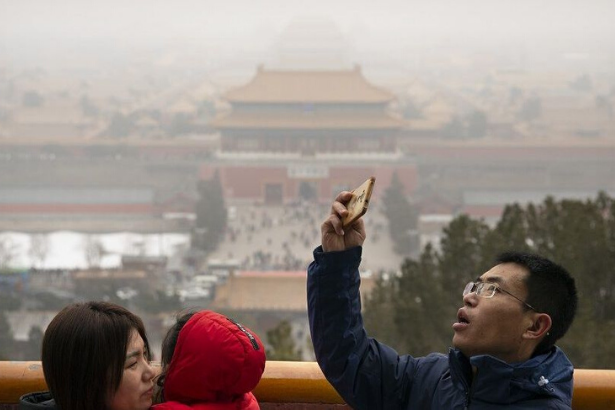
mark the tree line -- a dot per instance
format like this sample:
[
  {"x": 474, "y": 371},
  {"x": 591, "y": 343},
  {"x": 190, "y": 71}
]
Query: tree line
[{"x": 413, "y": 309}]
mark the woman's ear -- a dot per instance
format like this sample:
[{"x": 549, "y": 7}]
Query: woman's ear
[{"x": 539, "y": 327}]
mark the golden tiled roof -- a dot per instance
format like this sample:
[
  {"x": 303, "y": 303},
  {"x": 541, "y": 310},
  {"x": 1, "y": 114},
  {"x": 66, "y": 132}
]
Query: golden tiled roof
[
  {"x": 344, "y": 86},
  {"x": 285, "y": 291}
]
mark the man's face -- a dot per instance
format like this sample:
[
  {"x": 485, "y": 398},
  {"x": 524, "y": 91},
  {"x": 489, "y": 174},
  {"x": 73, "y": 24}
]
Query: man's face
[{"x": 495, "y": 325}]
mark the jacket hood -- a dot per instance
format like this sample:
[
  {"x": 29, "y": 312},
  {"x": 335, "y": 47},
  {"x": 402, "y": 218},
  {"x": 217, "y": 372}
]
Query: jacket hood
[
  {"x": 216, "y": 360},
  {"x": 549, "y": 374},
  {"x": 38, "y": 400}
]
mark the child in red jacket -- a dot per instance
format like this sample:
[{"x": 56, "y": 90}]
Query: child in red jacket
[{"x": 210, "y": 362}]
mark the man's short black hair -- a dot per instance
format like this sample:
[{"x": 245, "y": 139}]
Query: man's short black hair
[{"x": 551, "y": 290}]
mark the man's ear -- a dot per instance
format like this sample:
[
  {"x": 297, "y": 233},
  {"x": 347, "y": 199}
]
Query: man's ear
[{"x": 539, "y": 327}]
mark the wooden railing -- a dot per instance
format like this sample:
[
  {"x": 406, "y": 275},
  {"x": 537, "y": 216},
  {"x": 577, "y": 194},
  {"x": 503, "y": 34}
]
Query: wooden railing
[{"x": 302, "y": 386}]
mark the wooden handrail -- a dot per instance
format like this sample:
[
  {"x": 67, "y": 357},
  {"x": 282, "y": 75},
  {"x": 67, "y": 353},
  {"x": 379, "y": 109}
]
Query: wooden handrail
[{"x": 303, "y": 382}]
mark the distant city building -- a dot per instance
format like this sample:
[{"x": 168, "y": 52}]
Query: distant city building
[
  {"x": 92, "y": 208},
  {"x": 98, "y": 283},
  {"x": 307, "y": 135},
  {"x": 309, "y": 112}
]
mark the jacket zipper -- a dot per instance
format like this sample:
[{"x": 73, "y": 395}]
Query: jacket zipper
[
  {"x": 245, "y": 331},
  {"x": 469, "y": 391}
]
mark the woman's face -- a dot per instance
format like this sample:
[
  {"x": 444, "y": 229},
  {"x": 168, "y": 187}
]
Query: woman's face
[{"x": 136, "y": 388}]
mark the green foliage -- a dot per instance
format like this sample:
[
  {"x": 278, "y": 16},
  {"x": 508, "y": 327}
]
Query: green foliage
[
  {"x": 582, "y": 83},
  {"x": 461, "y": 259},
  {"x": 121, "y": 126},
  {"x": 403, "y": 218},
  {"x": 87, "y": 107},
  {"x": 45, "y": 300},
  {"x": 413, "y": 311},
  {"x": 211, "y": 215},
  {"x": 32, "y": 350},
  {"x": 282, "y": 344},
  {"x": 410, "y": 301},
  {"x": 476, "y": 125},
  {"x": 473, "y": 125},
  {"x": 180, "y": 124},
  {"x": 410, "y": 110},
  {"x": 454, "y": 129},
  {"x": 379, "y": 315},
  {"x": 530, "y": 110},
  {"x": 33, "y": 99},
  {"x": 206, "y": 109},
  {"x": 6, "y": 338},
  {"x": 514, "y": 94},
  {"x": 154, "y": 303},
  {"x": 9, "y": 301}
]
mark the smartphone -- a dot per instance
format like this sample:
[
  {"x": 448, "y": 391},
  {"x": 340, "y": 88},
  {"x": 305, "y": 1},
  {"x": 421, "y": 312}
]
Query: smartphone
[{"x": 357, "y": 206}]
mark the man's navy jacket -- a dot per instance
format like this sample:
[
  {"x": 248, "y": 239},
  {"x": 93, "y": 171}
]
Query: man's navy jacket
[{"x": 372, "y": 376}]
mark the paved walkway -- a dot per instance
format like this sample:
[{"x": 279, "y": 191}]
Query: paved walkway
[{"x": 283, "y": 237}]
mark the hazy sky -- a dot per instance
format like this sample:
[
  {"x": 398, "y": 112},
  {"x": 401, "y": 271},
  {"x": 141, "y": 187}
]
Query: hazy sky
[{"x": 28, "y": 25}]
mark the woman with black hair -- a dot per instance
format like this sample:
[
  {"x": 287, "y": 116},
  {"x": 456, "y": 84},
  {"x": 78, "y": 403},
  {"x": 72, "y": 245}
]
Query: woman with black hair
[{"x": 95, "y": 356}]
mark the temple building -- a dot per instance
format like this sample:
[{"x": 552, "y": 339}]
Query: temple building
[{"x": 293, "y": 135}]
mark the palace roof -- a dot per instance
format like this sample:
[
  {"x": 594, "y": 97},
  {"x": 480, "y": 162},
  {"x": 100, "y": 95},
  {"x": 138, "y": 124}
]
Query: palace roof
[
  {"x": 266, "y": 291},
  {"x": 343, "y": 86}
]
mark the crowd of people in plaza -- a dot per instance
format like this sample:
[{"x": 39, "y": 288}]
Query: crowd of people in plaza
[{"x": 280, "y": 237}]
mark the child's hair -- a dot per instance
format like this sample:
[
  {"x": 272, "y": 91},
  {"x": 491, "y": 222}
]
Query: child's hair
[{"x": 168, "y": 348}]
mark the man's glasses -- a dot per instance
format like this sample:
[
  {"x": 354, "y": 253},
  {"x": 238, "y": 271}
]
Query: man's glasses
[{"x": 488, "y": 289}]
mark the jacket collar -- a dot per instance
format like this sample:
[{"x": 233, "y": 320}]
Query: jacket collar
[{"x": 495, "y": 381}]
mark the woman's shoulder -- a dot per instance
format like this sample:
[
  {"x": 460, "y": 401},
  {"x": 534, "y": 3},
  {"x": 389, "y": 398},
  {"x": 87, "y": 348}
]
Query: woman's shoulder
[{"x": 37, "y": 400}]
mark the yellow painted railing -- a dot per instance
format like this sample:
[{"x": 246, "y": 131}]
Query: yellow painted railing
[{"x": 303, "y": 382}]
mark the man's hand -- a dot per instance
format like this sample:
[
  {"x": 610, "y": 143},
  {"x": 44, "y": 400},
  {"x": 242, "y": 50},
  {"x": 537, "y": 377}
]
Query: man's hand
[{"x": 335, "y": 237}]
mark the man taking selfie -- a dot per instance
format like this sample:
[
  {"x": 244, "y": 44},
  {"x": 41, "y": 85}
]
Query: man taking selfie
[{"x": 503, "y": 355}]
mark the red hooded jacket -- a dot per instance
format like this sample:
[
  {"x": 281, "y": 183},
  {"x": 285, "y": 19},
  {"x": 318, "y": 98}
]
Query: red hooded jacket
[{"x": 216, "y": 364}]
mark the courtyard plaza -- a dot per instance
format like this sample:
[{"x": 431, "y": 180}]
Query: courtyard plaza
[{"x": 277, "y": 237}]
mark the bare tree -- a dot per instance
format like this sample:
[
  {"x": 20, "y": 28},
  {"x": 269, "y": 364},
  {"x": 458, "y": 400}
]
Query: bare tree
[
  {"x": 8, "y": 252},
  {"x": 39, "y": 247},
  {"x": 94, "y": 251}
]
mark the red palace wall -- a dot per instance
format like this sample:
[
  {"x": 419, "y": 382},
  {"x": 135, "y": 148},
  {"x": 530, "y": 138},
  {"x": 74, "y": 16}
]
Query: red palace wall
[{"x": 247, "y": 183}]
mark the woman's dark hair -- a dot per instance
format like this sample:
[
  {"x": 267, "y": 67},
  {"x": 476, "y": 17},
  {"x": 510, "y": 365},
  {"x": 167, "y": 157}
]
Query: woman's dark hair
[
  {"x": 84, "y": 353},
  {"x": 168, "y": 348},
  {"x": 550, "y": 289}
]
